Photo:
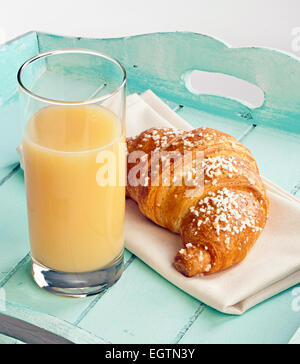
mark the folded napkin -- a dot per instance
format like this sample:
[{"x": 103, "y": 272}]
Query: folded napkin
[{"x": 272, "y": 266}]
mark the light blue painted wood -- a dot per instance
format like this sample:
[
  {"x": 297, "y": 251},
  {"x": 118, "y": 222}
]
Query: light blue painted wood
[
  {"x": 21, "y": 289},
  {"x": 12, "y": 56},
  {"x": 272, "y": 322},
  {"x": 8, "y": 340},
  {"x": 6, "y": 172},
  {"x": 143, "y": 307},
  {"x": 52, "y": 324},
  {"x": 199, "y": 118},
  {"x": 277, "y": 153},
  {"x": 178, "y": 53},
  {"x": 173, "y": 105},
  {"x": 13, "y": 225},
  {"x": 10, "y": 129}
]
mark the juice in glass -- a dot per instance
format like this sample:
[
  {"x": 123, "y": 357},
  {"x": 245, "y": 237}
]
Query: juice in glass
[{"x": 76, "y": 224}]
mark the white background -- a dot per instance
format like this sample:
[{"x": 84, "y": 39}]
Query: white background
[{"x": 238, "y": 22}]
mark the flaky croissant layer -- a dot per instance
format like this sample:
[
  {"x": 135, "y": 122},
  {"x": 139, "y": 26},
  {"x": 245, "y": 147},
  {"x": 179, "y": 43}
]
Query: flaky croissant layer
[{"x": 220, "y": 215}]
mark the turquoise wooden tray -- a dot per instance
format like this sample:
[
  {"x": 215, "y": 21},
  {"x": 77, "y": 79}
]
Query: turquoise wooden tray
[{"x": 143, "y": 307}]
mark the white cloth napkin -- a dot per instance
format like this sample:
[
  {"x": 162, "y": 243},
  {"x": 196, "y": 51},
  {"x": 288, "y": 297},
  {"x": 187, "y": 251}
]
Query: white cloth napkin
[{"x": 272, "y": 266}]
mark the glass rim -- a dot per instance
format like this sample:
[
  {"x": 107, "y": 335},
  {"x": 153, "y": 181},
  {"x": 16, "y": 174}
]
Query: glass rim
[{"x": 69, "y": 51}]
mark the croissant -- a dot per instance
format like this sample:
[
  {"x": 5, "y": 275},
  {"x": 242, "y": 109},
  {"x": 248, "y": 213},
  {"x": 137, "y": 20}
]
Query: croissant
[{"x": 220, "y": 215}]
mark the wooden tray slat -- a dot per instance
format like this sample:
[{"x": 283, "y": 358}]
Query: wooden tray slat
[
  {"x": 273, "y": 321},
  {"x": 13, "y": 227},
  {"x": 142, "y": 308},
  {"x": 277, "y": 153},
  {"x": 52, "y": 324}
]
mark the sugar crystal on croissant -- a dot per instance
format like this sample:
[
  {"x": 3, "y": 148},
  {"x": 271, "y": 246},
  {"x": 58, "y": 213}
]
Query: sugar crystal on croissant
[{"x": 220, "y": 214}]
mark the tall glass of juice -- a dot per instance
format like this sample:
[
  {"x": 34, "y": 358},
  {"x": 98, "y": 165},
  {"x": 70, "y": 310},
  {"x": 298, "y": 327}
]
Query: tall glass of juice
[{"x": 73, "y": 129}]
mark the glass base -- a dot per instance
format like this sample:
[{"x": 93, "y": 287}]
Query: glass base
[{"x": 77, "y": 284}]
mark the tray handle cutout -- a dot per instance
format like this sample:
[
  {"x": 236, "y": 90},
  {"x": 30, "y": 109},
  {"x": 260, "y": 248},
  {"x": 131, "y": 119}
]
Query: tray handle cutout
[{"x": 226, "y": 86}]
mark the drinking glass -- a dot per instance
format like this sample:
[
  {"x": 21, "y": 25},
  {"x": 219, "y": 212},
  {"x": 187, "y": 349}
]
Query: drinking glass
[{"x": 73, "y": 145}]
